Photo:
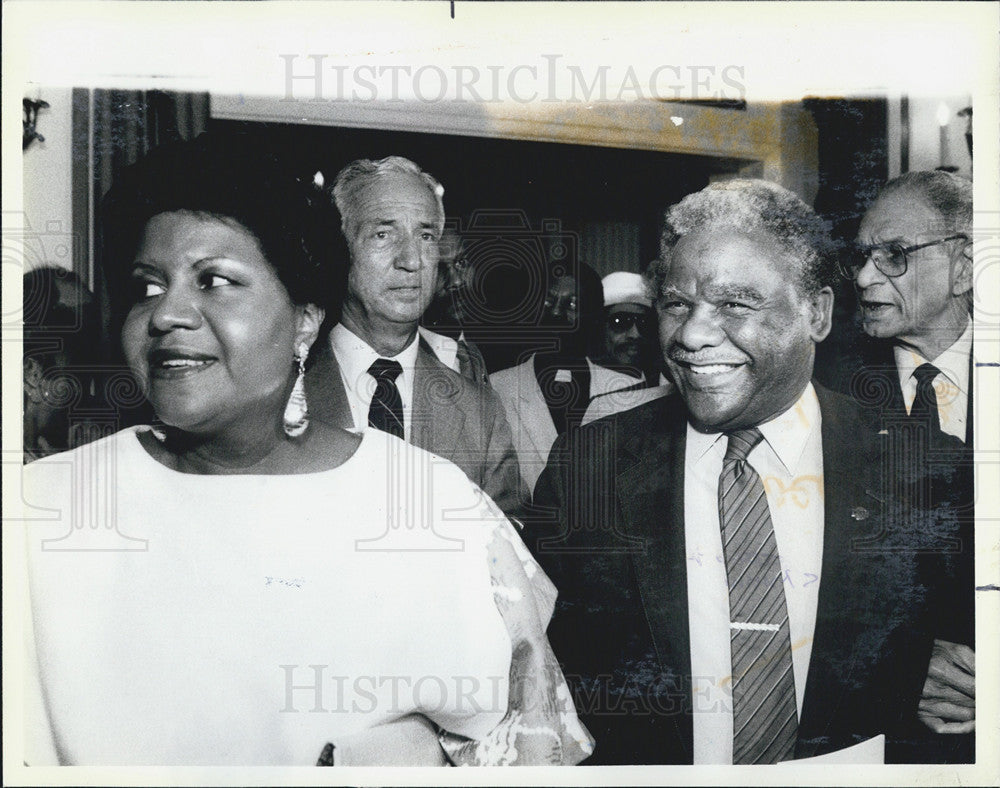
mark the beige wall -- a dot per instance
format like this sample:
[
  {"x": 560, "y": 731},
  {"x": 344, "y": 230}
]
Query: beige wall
[
  {"x": 777, "y": 141},
  {"x": 48, "y": 171},
  {"x": 774, "y": 141}
]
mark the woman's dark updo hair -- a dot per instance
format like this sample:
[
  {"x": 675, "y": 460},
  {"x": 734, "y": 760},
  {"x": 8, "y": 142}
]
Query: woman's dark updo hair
[{"x": 232, "y": 178}]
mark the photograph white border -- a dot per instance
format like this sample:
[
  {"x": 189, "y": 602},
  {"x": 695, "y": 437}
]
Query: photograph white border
[{"x": 787, "y": 51}]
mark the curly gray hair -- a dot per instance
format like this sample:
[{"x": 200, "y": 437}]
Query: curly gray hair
[
  {"x": 362, "y": 172},
  {"x": 748, "y": 206},
  {"x": 950, "y": 195}
]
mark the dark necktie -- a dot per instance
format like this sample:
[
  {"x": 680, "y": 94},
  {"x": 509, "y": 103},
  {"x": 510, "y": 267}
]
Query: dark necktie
[
  {"x": 925, "y": 405},
  {"x": 765, "y": 722},
  {"x": 386, "y": 411},
  {"x": 467, "y": 366}
]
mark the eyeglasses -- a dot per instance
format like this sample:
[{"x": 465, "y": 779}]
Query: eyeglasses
[
  {"x": 889, "y": 258},
  {"x": 624, "y": 321}
]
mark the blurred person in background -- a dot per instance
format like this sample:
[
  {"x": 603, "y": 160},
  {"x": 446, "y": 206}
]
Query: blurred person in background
[
  {"x": 549, "y": 392},
  {"x": 631, "y": 346},
  {"x": 443, "y": 324},
  {"x": 61, "y": 333},
  {"x": 630, "y": 342}
]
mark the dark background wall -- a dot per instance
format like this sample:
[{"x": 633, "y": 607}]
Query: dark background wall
[{"x": 524, "y": 204}]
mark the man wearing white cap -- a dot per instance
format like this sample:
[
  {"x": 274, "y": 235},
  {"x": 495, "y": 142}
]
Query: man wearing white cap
[{"x": 630, "y": 344}]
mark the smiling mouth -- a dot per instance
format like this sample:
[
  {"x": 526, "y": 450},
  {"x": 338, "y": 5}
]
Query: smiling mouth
[
  {"x": 708, "y": 370},
  {"x": 174, "y": 364}
]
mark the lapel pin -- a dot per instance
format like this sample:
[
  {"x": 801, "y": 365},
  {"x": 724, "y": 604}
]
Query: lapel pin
[{"x": 859, "y": 513}]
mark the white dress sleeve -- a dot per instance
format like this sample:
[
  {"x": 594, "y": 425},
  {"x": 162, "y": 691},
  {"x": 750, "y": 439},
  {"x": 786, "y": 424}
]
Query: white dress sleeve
[{"x": 541, "y": 726}]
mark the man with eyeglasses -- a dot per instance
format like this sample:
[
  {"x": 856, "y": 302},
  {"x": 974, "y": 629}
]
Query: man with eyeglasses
[
  {"x": 450, "y": 310},
  {"x": 912, "y": 268},
  {"x": 913, "y": 271},
  {"x": 630, "y": 343},
  {"x": 549, "y": 392},
  {"x": 631, "y": 346}
]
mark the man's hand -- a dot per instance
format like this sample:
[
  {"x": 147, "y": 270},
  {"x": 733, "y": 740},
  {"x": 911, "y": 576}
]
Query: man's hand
[{"x": 948, "y": 702}]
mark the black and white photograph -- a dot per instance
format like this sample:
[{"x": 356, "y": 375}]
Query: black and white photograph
[{"x": 416, "y": 385}]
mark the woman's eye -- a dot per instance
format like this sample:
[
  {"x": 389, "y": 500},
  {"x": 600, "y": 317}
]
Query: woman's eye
[
  {"x": 148, "y": 289},
  {"x": 210, "y": 281}
]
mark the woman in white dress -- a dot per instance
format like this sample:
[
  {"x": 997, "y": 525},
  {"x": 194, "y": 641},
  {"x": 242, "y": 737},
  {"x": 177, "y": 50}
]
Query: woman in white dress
[{"x": 237, "y": 586}]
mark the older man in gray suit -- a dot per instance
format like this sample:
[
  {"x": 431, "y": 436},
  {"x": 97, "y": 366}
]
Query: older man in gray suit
[{"x": 375, "y": 370}]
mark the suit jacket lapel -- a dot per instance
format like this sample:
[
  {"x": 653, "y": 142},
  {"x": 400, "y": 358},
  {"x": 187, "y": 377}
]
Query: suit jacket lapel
[
  {"x": 325, "y": 392},
  {"x": 851, "y": 496},
  {"x": 534, "y": 413},
  {"x": 434, "y": 424},
  {"x": 651, "y": 494}
]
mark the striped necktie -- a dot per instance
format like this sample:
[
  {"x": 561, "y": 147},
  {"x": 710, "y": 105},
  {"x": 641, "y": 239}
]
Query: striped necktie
[
  {"x": 765, "y": 722},
  {"x": 386, "y": 410}
]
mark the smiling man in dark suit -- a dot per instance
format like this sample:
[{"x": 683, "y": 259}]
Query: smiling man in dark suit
[{"x": 735, "y": 586}]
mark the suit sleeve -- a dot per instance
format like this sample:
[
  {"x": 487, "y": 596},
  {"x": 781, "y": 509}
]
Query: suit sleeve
[{"x": 501, "y": 475}]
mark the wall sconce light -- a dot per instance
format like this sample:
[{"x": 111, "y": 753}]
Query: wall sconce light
[
  {"x": 943, "y": 118},
  {"x": 31, "y": 107},
  {"x": 967, "y": 114}
]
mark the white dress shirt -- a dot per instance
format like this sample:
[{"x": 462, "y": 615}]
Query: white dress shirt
[
  {"x": 444, "y": 347},
  {"x": 790, "y": 463},
  {"x": 951, "y": 386},
  {"x": 354, "y": 357}
]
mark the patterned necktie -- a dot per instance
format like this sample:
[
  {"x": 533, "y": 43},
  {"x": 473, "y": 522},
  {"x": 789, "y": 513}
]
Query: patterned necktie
[
  {"x": 386, "y": 411},
  {"x": 925, "y": 405},
  {"x": 765, "y": 723},
  {"x": 464, "y": 362}
]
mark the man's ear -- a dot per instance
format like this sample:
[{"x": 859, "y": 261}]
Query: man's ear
[
  {"x": 820, "y": 314},
  {"x": 961, "y": 272},
  {"x": 308, "y": 319}
]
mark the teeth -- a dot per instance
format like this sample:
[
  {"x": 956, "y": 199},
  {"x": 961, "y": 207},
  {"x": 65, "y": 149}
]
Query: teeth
[
  {"x": 183, "y": 362},
  {"x": 711, "y": 369}
]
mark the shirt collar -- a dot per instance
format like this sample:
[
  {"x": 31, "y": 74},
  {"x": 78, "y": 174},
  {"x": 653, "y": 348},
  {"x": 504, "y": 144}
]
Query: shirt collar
[
  {"x": 953, "y": 362},
  {"x": 445, "y": 348},
  {"x": 355, "y": 356},
  {"x": 787, "y": 434}
]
